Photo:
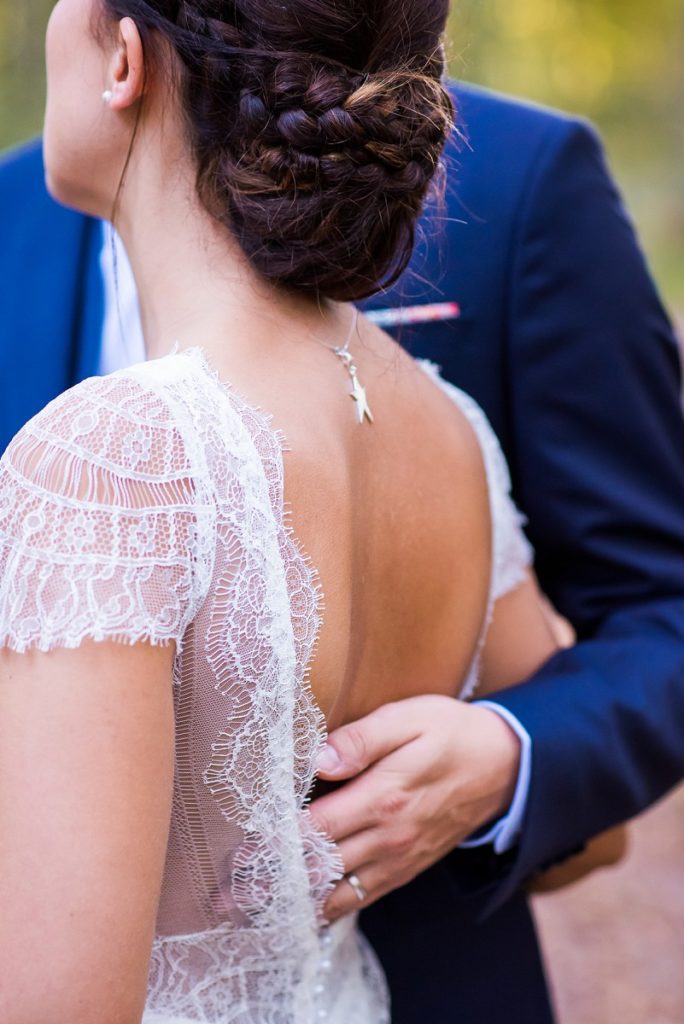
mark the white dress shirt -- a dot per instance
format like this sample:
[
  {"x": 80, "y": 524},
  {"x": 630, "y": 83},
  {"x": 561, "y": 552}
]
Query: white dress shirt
[
  {"x": 122, "y": 337},
  {"x": 123, "y": 345}
]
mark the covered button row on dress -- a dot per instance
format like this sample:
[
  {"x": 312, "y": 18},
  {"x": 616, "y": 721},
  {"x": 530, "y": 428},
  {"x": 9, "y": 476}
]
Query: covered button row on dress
[{"x": 324, "y": 966}]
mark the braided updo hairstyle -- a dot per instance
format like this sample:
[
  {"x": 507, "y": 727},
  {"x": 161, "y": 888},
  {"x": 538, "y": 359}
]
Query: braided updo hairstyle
[{"x": 317, "y": 127}]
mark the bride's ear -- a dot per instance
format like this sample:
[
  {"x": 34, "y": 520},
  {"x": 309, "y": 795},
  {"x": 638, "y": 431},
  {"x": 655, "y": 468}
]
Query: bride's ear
[{"x": 127, "y": 68}]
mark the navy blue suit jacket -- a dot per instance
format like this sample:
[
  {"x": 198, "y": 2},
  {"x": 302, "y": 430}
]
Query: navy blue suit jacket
[{"x": 563, "y": 341}]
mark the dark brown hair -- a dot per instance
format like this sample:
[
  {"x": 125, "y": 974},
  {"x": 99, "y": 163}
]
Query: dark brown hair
[{"x": 317, "y": 127}]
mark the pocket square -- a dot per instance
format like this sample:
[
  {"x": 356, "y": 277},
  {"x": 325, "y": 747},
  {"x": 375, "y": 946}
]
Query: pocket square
[{"x": 414, "y": 314}]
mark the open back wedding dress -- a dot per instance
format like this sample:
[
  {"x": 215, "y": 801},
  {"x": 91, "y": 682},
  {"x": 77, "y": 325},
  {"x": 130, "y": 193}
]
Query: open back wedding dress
[{"x": 148, "y": 506}]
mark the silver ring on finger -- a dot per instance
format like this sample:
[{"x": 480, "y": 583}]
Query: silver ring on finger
[{"x": 355, "y": 883}]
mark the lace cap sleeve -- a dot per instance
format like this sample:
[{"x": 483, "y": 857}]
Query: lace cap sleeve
[
  {"x": 512, "y": 552},
  {"x": 103, "y": 520}
]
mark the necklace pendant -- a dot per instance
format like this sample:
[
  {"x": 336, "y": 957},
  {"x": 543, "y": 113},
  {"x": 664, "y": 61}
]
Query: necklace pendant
[
  {"x": 363, "y": 409},
  {"x": 358, "y": 392}
]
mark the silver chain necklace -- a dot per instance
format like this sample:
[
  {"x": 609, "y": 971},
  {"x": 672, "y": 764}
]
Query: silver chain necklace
[{"x": 358, "y": 392}]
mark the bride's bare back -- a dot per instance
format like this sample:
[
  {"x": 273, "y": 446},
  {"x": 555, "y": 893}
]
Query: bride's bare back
[{"x": 396, "y": 517}]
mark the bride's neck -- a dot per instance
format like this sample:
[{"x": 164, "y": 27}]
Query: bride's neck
[{"x": 194, "y": 284}]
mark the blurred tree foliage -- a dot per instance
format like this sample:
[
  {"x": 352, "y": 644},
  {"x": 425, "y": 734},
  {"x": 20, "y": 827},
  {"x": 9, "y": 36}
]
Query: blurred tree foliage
[
  {"x": 22, "y": 74},
  {"x": 616, "y": 61}
]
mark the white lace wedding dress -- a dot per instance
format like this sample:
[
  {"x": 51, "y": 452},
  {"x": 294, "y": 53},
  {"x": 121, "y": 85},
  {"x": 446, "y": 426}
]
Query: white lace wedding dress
[{"x": 148, "y": 505}]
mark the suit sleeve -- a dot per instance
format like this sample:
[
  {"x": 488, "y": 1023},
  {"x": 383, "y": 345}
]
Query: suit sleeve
[{"x": 598, "y": 466}]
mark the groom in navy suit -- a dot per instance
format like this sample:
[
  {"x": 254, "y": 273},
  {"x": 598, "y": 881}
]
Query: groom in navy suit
[{"x": 556, "y": 329}]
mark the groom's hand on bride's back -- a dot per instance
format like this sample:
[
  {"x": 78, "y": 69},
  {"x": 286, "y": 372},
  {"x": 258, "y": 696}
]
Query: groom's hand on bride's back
[{"x": 425, "y": 774}]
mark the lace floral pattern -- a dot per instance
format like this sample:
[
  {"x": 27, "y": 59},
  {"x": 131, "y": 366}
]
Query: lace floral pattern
[
  {"x": 94, "y": 544},
  {"x": 149, "y": 505}
]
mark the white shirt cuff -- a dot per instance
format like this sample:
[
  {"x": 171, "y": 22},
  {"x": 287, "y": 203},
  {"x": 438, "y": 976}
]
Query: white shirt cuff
[{"x": 505, "y": 833}]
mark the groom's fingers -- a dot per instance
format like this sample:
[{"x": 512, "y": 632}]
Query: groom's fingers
[
  {"x": 356, "y": 806},
  {"x": 358, "y": 850},
  {"x": 351, "y": 749}
]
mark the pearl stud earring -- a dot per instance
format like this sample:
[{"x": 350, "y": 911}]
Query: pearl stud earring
[{"x": 107, "y": 96}]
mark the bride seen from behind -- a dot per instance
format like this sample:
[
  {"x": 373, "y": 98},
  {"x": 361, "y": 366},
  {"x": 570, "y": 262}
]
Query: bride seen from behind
[{"x": 165, "y": 532}]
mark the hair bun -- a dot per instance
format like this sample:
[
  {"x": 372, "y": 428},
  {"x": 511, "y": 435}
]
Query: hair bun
[
  {"x": 325, "y": 191},
  {"x": 318, "y": 130}
]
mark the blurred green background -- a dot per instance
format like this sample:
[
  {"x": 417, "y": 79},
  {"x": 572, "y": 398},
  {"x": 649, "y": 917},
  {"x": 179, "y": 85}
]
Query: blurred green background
[{"x": 619, "y": 62}]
